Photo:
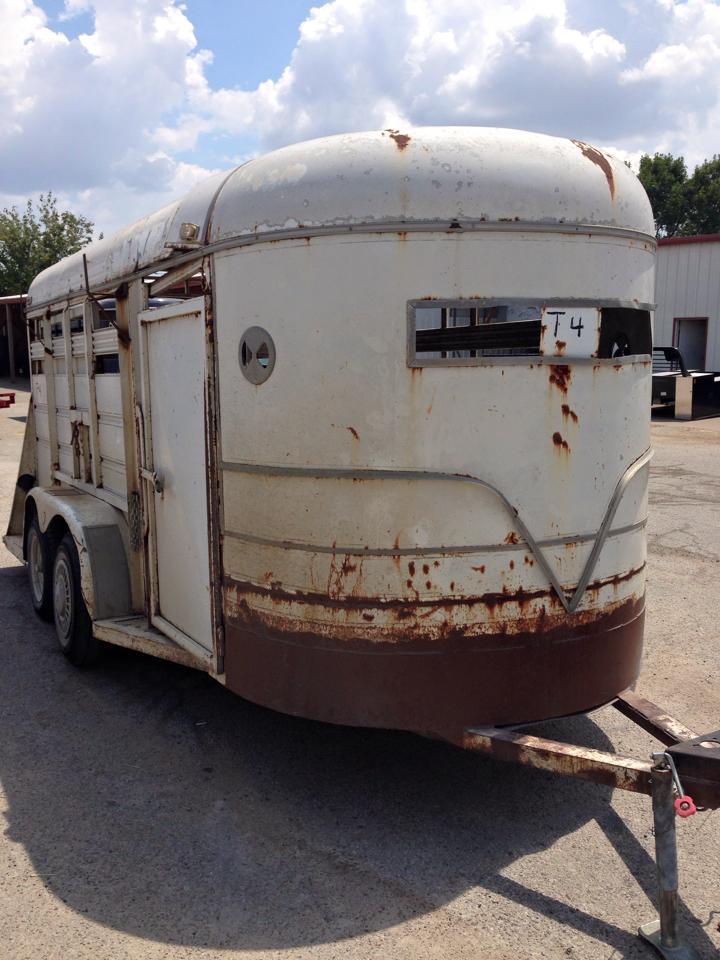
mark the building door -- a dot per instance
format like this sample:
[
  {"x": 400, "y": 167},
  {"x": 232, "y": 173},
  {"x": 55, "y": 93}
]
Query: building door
[
  {"x": 690, "y": 337},
  {"x": 175, "y": 472}
]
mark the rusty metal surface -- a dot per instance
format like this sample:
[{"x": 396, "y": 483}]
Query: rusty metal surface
[
  {"x": 427, "y": 639},
  {"x": 135, "y": 634},
  {"x": 697, "y": 761},
  {"x": 109, "y": 260},
  {"x": 431, "y": 173},
  {"x": 570, "y": 603},
  {"x": 430, "y": 672},
  {"x": 652, "y": 718},
  {"x": 465, "y": 178},
  {"x": 698, "y": 765},
  {"x": 353, "y": 591},
  {"x": 585, "y": 763},
  {"x": 214, "y": 477}
]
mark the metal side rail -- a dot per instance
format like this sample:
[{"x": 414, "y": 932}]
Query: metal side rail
[
  {"x": 135, "y": 633},
  {"x": 684, "y": 774}
]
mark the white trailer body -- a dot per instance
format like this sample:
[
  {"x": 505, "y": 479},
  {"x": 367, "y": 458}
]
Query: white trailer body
[{"x": 386, "y": 462}]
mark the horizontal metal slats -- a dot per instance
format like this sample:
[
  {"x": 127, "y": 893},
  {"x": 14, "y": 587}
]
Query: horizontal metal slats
[{"x": 523, "y": 335}]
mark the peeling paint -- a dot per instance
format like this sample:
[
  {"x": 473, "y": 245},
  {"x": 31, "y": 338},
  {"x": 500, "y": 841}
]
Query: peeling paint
[
  {"x": 401, "y": 139},
  {"x": 598, "y": 158}
]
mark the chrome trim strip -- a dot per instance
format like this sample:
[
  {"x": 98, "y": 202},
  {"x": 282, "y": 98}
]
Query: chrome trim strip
[
  {"x": 430, "y": 551},
  {"x": 602, "y": 533},
  {"x": 451, "y": 227}
]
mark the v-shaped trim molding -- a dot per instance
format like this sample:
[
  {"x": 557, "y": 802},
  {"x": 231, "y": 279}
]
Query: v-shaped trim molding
[{"x": 570, "y": 601}]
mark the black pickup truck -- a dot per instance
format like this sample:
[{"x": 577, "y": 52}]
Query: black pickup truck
[{"x": 693, "y": 393}]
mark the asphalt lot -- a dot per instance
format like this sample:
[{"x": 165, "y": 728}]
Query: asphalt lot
[{"x": 151, "y": 814}]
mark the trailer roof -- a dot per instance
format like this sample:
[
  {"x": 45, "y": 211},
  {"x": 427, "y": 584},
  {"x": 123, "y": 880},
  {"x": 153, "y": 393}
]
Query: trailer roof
[{"x": 475, "y": 177}]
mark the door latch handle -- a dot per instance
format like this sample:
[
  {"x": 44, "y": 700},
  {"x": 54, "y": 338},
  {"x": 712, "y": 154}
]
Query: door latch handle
[{"x": 154, "y": 479}]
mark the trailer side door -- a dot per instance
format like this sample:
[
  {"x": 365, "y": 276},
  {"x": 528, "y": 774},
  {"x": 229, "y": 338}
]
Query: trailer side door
[{"x": 175, "y": 470}]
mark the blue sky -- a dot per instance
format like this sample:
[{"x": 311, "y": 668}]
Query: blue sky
[
  {"x": 251, "y": 41},
  {"x": 119, "y": 106}
]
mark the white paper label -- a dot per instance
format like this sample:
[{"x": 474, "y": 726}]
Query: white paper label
[{"x": 570, "y": 331}]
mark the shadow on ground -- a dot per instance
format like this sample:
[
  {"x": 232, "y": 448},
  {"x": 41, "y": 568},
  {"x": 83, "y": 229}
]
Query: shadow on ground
[{"x": 152, "y": 801}]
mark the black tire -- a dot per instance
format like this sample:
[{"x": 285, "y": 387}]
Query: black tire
[
  {"x": 72, "y": 621},
  {"x": 39, "y": 550}
]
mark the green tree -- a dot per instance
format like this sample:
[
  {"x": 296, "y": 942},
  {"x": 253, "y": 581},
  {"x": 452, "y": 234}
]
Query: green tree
[
  {"x": 666, "y": 183},
  {"x": 704, "y": 199},
  {"x": 35, "y": 239}
]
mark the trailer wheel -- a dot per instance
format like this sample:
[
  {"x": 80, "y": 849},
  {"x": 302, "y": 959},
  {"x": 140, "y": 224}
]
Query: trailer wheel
[
  {"x": 72, "y": 621},
  {"x": 39, "y": 566}
]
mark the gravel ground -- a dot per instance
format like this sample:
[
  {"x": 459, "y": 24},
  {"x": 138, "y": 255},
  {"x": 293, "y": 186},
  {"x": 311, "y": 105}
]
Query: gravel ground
[{"x": 150, "y": 814}]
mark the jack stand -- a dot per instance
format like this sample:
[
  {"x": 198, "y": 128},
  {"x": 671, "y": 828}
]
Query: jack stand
[{"x": 662, "y": 934}]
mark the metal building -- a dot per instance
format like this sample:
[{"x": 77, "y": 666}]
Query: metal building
[
  {"x": 14, "y": 363},
  {"x": 687, "y": 293}
]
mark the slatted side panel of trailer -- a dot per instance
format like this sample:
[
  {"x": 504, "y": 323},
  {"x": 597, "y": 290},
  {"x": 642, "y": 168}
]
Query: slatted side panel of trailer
[
  {"x": 77, "y": 400},
  {"x": 40, "y": 403}
]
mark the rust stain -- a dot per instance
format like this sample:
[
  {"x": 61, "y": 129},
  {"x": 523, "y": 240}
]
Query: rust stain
[
  {"x": 368, "y": 617},
  {"x": 565, "y": 758},
  {"x": 512, "y": 564},
  {"x": 337, "y": 577},
  {"x": 428, "y": 585},
  {"x": 600, "y": 160},
  {"x": 560, "y": 346},
  {"x": 560, "y": 376},
  {"x": 512, "y": 537},
  {"x": 401, "y": 139},
  {"x": 567, "y": 412},
  {"x": 480, "y": 569},
  {"x": 354, "y": 432},
  {"x": 426, "y": 568},
  {"x": 616, "y": 579},
  {"x": 559, "y": 442},
  {"x": 396, "y": 556},
  {"x": 411, "y": 568},
  {"x": 471, "y": 612},
  {"x": 452, "y": 586}
]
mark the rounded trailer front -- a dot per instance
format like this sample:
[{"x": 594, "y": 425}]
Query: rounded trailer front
[{"x": 434, "y": 504}]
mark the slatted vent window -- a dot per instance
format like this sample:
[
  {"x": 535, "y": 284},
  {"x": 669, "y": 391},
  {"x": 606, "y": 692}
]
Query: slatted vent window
[{"x": 459, "y": 333}]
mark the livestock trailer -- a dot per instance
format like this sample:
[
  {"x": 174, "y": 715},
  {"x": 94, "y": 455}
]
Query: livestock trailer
[
  {"x": 385, "y": 464},
  {"x": 361, "y": 429},
  {"x": 385, "y": 461}
]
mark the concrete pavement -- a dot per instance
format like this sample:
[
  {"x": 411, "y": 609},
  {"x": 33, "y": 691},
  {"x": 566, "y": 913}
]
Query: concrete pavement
[{"x": 151, "y": 814}]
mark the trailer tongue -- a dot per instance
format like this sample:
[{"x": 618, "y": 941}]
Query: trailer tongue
[{"x": 681, "y": 779}]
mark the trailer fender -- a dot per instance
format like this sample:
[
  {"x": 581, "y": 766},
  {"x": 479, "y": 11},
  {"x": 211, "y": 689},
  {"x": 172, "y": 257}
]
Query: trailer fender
[{"x": 101, "y": 536}]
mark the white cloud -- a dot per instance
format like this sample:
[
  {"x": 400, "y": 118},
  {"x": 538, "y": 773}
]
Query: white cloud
[
  {"x": 78, "y": 115},
  {"x": 599, "y": 72},
  {"x": 109, "y": 119}
]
